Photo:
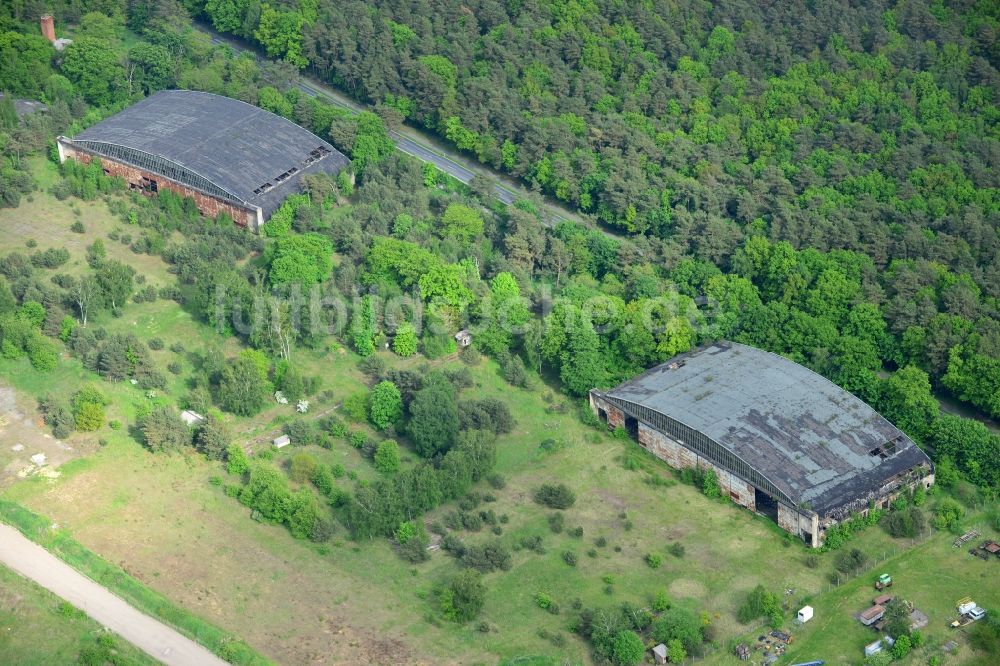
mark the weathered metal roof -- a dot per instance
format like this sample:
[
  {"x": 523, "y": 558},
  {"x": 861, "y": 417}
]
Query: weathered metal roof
[
  {"x": 241, "y": 148},
  {"x": 819, "y": 444}
]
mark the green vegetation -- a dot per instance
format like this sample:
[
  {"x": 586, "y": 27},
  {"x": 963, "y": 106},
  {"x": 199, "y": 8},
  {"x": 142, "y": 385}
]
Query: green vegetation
[
  {"x": 788, "y": 185},
  {"x": 37, "y": 629},
  {"x": 39, "y": 530}
]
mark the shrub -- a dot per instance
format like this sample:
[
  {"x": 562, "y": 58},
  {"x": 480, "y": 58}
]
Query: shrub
[
  {"x": 89, "y": 416},
  {"x": 661, "y": 602},
  {"x": 174, "y": 368},
  {"x": 385, "y": 405},
  {"x": 462, "y": 598},
  {"x": 487, "y": 557},
  {"x": 42, "y": 353},
  {"x": 555, "y": 496},
  {"x": 908, "y": 522},
  {"x": 533, "y": 543},
  {"x": 496, "y": 481},
  {"x": 155, "y": 344},
  {"x": 627, "y": 648},
  {"x": 759, "y": 602},
  {"x": 356, "y": 407},
  {"x": 405, "y": 341},
  {"x": 948, "y": 513},
  {"x": 569, "y": 557},
  {"x": 710, "y": 484},
  {"x": 676, "y": 549},
  {"x": 850, "y": 561},
  {"x": 163, "y": 429},
  {"x": 556, "y": 522},
  {"x": 302, "y": 467},
  {"x": 654, "y": 560},
  {"x": 237, "y": 462},
  {"x": 358, "y": 439},
  {"x": 471, "y": 521},
  {"x": 387, "y": 457},
  {"x": 901, "y": 647},
  {"x": 543, "y": 600},
  {"x": 57, "y": 416},
  {"x": 77, "y": 227}
]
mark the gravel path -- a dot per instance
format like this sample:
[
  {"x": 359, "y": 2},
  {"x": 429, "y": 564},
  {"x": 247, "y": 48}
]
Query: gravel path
[{"x": 149, "y": 635}]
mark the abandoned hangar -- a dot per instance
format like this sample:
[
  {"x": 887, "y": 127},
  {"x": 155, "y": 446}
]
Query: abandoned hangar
[
  {"x": 229, "y": 156},
  {"x": 783, "y": 440}
]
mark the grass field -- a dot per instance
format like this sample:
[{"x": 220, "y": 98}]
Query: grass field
[
  {"x": 162, "y": 520},
  {"x": 37, "y": 629}
]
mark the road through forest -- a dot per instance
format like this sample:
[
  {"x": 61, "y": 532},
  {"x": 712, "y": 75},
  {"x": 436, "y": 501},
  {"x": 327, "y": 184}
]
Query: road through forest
[
  {"x": 419, "y": 145},
  {"x": 151, "y": 636}
]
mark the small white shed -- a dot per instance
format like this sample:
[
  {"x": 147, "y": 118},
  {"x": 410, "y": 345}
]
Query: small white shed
[
  {"x": 660, "y": 654},
  {"x": 805, "y": 613},
  {"x": 192, "y": 418},
  {"x": 281, "y": 442}
]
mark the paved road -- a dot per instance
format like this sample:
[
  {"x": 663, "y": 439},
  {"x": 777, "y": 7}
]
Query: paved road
[
  {"x": 151, "y": 636},
  {"x": 412, "y": 142}
]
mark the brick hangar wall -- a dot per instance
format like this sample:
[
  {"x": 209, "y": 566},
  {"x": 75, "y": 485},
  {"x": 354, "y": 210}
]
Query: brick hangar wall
[
  {"x": 679, "y": 456},
  {"x": 208, "y": 205}
]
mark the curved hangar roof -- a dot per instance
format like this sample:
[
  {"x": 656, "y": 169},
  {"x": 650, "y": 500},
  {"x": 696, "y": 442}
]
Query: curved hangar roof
[
  {"x": 220, "y": 145},
  {"x": 818, "y": 444}
]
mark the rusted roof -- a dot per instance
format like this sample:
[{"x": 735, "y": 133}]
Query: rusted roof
[{"x": 819, "y": 444}]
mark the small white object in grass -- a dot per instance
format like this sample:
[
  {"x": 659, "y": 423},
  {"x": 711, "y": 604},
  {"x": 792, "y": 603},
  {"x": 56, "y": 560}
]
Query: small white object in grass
[
  {"x": 38, "y": 459},
  {"x": 302, "y": 407},
  {"x": 17, "y": 447}
]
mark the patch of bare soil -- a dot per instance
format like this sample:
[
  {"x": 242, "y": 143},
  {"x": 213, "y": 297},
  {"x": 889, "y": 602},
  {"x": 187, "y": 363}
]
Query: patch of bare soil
[{"x": 25, "y": 448}]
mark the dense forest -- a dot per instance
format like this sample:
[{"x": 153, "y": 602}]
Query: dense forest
[{"x": 871, "y": 128}]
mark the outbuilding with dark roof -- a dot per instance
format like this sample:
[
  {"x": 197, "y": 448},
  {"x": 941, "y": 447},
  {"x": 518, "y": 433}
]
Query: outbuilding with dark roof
[
  {"x": 782, "y": 439},
  {"x": 228, "y": 155}
]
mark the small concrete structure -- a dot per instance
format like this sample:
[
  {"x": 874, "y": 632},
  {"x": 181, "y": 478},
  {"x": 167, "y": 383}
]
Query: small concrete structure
[
  {"x": 282, "y": 442},
  {"x": 873, "y": 648},
  {"x": 192, "y": 418},
  {"x": 805, "y": 614},
  {"x": 918, "y": 619},
  {"x": 660, "y": 654},
  {"x": 463, "y": 338}
]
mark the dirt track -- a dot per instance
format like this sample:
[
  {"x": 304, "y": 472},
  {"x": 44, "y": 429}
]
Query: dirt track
[{"x": 149, "y": 635}]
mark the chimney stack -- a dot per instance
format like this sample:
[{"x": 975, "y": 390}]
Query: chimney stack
[{"x": 48, "y": 27}]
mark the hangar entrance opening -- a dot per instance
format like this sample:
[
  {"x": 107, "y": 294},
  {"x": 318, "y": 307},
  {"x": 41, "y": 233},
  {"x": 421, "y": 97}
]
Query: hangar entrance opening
[
  {"x": 603, "y": 415},
  {"x": 632, "y": 427},
  {"x": 765, "y": 504}
]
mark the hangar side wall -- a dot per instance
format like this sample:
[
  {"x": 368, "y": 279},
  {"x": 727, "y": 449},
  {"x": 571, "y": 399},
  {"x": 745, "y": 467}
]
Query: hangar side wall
[
  {"x": 208, "y": 205},
  {"x": 678, "y": 456}
]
